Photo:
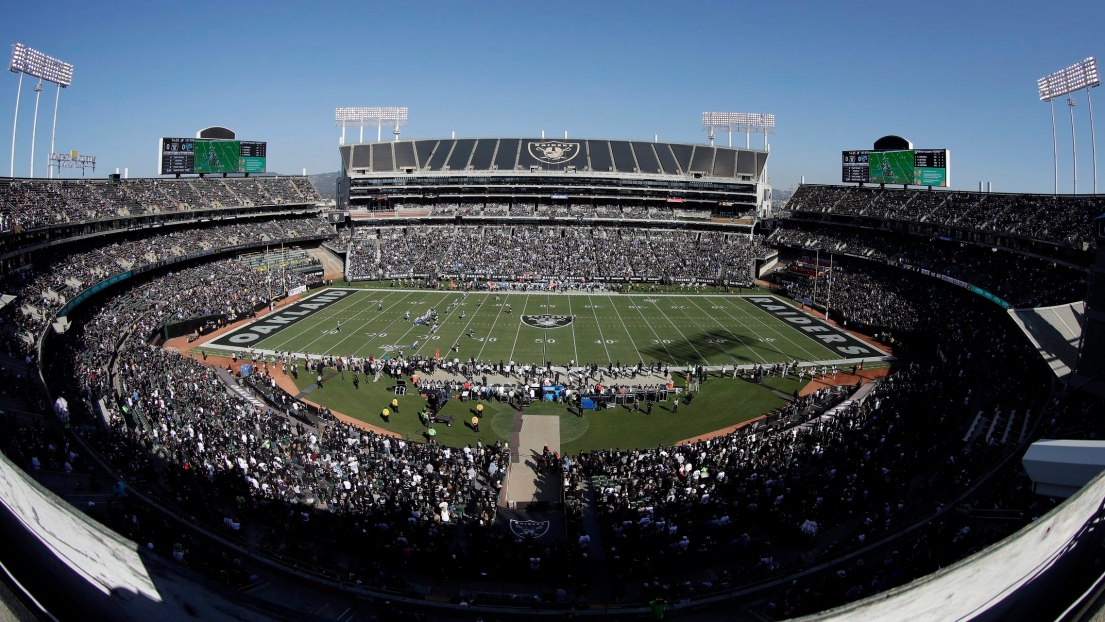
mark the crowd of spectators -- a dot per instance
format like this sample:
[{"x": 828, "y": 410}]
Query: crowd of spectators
[
  {"x": 1021, "y": 280},
  {"x": 42, "y": 288},
  {"x": 496, "y": 209},
  {"x": 402, "y": 500},
  {"x": 33, "y": 203},
  {"x": 528, "y": 251},
  {"x": 527, "y": 209},
  {"x": 758, "y": 501},
  {"x": 863, "y": 295},
  {"x": 763, "y": 502},
  {"x": 1063, "y": 219}
]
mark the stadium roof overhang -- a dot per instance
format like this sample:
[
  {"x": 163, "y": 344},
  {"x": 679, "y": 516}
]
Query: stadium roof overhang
[
  {"x": 1055, "y": 333},
  {"x": 537, "y": 156}
]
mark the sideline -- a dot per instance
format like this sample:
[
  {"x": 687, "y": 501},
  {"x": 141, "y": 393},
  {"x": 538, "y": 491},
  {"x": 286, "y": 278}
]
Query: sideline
[
  {"x": 864, "y": 376},
  {"x": 287, "y": 384}
]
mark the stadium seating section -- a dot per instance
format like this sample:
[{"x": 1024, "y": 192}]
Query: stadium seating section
[{"x": 729, "y": 512}]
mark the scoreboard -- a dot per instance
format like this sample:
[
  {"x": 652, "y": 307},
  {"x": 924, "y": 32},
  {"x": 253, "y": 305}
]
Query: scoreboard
[
  {"x": 930, "y": 167},
  {"x": 186, "y": 156},
  {"x": 912, "y": 167},
  {"x": 177, "y": 156},
  {"x": 855, "y": 167}
]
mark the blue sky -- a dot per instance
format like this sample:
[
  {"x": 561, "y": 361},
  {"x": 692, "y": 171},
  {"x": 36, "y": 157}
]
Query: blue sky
[{"x": 836, "y": 75}]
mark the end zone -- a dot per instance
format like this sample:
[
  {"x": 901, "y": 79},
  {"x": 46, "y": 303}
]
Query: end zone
[
  {"x": 831, "y": 337},
  {"x": 253, "y": 332}
]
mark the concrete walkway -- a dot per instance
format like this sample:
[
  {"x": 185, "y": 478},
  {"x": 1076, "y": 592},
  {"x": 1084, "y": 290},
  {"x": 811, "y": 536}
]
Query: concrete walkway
[{"x": 525, "y": 484}]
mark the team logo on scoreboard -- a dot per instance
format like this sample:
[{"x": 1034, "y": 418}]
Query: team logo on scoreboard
[
  {"x": 547, "y": 321},
  {"x": 553, "y": 151},
  {"x": 523, "y": 528}
]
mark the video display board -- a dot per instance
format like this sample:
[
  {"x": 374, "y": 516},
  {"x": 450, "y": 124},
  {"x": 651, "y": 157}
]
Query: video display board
[
  {"x": 912, "y": 167},
  {"x": 186, "y": 156},
  {"x": 930, "y": 167}
]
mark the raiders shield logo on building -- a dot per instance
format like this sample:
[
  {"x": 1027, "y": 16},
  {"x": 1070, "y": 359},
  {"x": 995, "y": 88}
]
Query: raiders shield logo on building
[
  {"x": 553, "y": 151},
  {"x": 523, "y": 528},
  {"x": 547, "y": 321}
]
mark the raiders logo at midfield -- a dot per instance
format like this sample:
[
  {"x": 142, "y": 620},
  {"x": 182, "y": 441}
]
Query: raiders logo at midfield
[
  {"x": 547, "y": 321},
  {"x": 523, "y": 528},
  {"x": 553, "y": 151}
]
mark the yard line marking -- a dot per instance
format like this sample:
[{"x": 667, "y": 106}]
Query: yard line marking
[
  {"x": 639, "y": 357},
  {"x": 707, "y": 333},
  {"x": 545, "y": 337},
  {"x": 601, "y": 336},
  {"x": 445, "y": 319},
  {"x": 643, "y": 317},
  {"x": 365, "y": 324},
  {"x": 575, "y": 348},
  {"x": 386, "y": 326},
  {"x": 474, "y": 314},
  {"x": 519, "y": 331},
  {"x": 493, "y": 323},
  {"x": 409, "y": 330},
  {"x": 736, "y": 336}
]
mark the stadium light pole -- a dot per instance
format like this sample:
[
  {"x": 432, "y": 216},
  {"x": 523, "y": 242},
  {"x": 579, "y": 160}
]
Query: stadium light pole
[
  {"x": 1079, "y": 76},
  {"x": 54, "y": 132},
  {"x": 15, "y": 124},
  {"x": 1093, "y": 139},
  {"x": 376, "y": 116},
  {"x": 1054, "y": 149},
  {"x": 34, "y": 126},
  {"x": 747, "y": 122},
  {"x": 1073, "y": 142},
  {"x": 25, "y": 60}
]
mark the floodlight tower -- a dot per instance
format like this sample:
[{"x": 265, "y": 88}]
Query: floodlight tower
[
  {"x": 34, "y": 127},
  {"x": 375, "y": 116},
  {"x": 29, "y": 61},
  {"x": 747, "y": 122},
  {"x": 1079, "y": 76}
]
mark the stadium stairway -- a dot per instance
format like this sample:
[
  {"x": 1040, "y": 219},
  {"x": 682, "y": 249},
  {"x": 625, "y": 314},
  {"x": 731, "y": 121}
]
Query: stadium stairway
[
  {"x": 332, "y": 264},
  {"x": 232, "y": 384},
  {"x": 591, "y": 524}
]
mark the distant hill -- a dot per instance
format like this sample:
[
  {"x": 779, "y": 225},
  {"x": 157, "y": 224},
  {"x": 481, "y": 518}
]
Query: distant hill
[{"x": 326, "y": 184}]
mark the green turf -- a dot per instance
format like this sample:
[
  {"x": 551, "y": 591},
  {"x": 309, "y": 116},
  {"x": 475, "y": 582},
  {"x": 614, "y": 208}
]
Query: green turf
[
  {"x": 719, "y": 404},
  {"x": 367, "y": 403},
  {"x": 673, "y": 329},
  {"x": 676, "y": 329},
  {"x": 787, "y": 385}
]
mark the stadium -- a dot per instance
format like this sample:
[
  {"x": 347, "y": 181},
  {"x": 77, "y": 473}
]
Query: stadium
[
  {"x": 221, "y": 351},
  {"x": 509, "y": 378}
]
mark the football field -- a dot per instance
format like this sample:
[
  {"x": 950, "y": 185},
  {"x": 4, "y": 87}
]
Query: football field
[{"x": 710, "y": 330}]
